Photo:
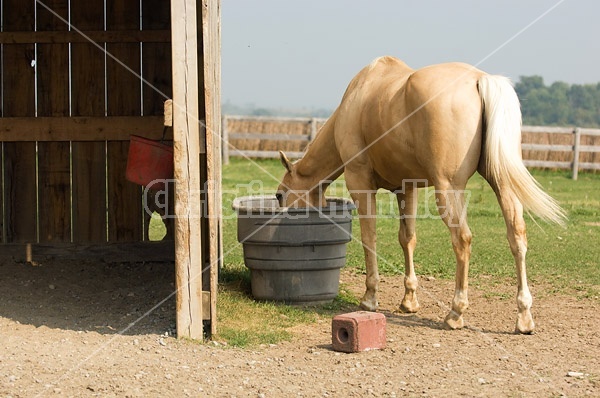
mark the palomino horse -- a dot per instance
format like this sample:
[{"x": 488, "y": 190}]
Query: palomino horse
[{"x": 437, "y": 125}]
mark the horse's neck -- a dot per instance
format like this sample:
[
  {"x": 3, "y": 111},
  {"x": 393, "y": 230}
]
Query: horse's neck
[{"x": 322, "y": 160}]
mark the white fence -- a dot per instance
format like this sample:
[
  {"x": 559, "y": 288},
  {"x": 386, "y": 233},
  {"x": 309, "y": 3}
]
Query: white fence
[
  {"x": 543, "y": 146},
  {"x": 575, "y": 147}
]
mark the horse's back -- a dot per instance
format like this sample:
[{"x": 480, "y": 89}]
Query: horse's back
[
  {"x": 444, "y": 93},
  {"x": 423, "y": 123}
]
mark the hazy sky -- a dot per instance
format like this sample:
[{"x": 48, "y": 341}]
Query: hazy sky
[{"x": 303, "y": 53}]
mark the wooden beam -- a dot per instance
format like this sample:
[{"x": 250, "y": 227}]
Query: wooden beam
[
  {"x": 81, "y": 128},
  {"x": 547, "y": 129},
  {"x": 277, "y": 119},
  {"x": 263, "y": 154},
  {"x": 114, "y": 36},
  {"x": 271, "y": 137},
  {"x": 188, "y": 242},
  {"x": 547, "y": 147},
  {"x": 161, "y": 251},
  {"x": 211, "y": 43},
  {"x": 544, "y": 163}
]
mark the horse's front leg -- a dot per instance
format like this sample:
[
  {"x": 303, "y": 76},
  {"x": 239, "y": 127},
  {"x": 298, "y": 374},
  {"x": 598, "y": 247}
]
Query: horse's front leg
[{"x": 364, "y": 199}]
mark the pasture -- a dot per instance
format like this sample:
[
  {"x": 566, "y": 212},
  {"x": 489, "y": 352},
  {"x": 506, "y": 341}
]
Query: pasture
[
  {"x": 564, "y": 259},
  {"x": 561, "y": 260}
]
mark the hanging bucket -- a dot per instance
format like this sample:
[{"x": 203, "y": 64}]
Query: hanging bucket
[{"x": 149, "y": 163}]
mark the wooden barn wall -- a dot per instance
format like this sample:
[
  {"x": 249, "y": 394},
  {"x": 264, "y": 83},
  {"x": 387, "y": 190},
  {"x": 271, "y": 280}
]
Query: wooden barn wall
[
  {"x": 18, "y": 99},
  {"x": 75, "y": 190},
  {"x": 89, "y": 158}
]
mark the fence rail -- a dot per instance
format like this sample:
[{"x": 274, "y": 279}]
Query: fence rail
[{"x": 572, "y": 148}]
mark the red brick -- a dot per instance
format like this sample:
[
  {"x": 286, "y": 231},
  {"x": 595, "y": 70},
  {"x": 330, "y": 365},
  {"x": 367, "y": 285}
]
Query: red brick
[{"x": 358, "y": 331}]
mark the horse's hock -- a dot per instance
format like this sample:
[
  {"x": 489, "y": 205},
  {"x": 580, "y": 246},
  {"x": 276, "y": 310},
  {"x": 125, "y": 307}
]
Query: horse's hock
[{"x": 294, "y": 254}]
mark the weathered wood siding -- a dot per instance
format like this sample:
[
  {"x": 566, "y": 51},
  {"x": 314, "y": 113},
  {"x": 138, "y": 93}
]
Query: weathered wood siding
[{"x": 71, "y": 96}]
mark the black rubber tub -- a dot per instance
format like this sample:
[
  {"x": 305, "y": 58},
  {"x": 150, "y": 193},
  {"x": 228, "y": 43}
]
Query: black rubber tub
[{"x": 294, "y": 255}]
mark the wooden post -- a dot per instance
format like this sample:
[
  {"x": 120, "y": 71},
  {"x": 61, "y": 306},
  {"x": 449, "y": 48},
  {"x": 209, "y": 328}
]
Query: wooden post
[
  {"x": 313, "y": 129},
  {"x": 225, "y": 134},
  {"x": 211, "y": 46},
  {"x": 576, "y": 146},
  {"x": 186, "y": 146}
]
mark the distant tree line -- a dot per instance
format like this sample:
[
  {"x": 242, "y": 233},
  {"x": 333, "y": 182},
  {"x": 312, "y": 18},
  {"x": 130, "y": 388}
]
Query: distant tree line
[{"x": 559, "y": 104}]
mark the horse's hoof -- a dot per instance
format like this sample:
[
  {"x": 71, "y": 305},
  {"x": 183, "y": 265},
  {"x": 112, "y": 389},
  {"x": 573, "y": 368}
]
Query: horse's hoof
[
  {"x": 525, "y": 324},
  {"x": 454, "y": 321},
  {"x": 369, "y": 305},
  {"x": 409, "y": 307}
]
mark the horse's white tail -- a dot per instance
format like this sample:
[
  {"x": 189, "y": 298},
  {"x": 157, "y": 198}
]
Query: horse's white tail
[{"x": 502, "y": 115}]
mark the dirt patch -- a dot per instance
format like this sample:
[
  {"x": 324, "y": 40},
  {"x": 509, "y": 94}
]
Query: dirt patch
[{"x": 67, "y": 330}]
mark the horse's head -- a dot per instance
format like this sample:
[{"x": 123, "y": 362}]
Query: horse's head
[{"x": 298, "y": 190}]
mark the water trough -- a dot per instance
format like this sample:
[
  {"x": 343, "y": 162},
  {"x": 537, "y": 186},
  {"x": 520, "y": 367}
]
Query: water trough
[{"x": 294, "y": 254}]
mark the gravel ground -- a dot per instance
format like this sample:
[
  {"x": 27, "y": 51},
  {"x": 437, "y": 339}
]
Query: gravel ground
[{"x": 60, "y": 326}]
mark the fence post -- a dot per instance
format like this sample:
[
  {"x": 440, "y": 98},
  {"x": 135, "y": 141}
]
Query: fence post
[
  {"x": 577, "y": 138},
  {"x": 313, "y": 128},
  {"x": 225, "y": 138}
]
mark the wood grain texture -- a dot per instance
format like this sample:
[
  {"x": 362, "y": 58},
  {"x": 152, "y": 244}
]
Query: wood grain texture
[
  {"x": 188, "y": 239},
  {"x": 54, "y": 164},
  {"x": 54, "y": 191},
  {"x": 211, "y": 45},
  {"x": 18, "y": 86},
  {"x": 81, "y": 128},
  {"x": 86, "y": 36},
  {"x": 89, "y": 192},
  {"x": 125, "y": 217},
  {"x": 88, "y": 99},
  {"x": 20, "y": 203}
]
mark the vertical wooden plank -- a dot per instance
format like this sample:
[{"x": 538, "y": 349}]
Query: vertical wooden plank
[
  {"x": 54, "y": 192},
  {"x": 156, "y": 58},
  {"x": 18, "y": 86},
  {"x": 157, "y": 86},
  {"x": 188, "y": 243},
  {"x": 204, "y": 183},
  {"x": 54, "y": 174},
  {"x": 18, "y": 73},
  {"x": 313, "y": 129},
  {"x": 125, "y": 213},
  {"x": 156, "y": 64},
  {"x": 87, "y": 99},
  {"x": 89, "y": 192},
  {"x": 577, "y": 138},
  {"x": 211, "y": 30},
  {"x": 20, "y": 194},
  {"x": 225, "y": 139},
  {"x": 2, "y": 215}
]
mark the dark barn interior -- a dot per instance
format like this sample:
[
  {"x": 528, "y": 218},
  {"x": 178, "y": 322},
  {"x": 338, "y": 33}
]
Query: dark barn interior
[{"x": 77, "y": 79}]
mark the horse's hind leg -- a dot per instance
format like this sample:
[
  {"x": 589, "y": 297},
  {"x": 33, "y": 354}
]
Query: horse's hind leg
[
  {"x": 407, "y": 203},
  {"x": 451, "y": 206},
  {"x": 512, "y": 209}
]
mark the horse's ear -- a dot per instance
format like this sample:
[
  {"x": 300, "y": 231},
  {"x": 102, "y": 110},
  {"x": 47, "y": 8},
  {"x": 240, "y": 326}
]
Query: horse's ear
[{"x": 285, "y": 161}]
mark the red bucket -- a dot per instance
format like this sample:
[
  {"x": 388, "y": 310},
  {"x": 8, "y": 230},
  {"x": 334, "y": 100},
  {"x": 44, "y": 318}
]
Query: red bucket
[{"x": 149, "y": 163}]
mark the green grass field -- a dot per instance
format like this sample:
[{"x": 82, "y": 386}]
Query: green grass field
[{"x": 565, "y": 259}]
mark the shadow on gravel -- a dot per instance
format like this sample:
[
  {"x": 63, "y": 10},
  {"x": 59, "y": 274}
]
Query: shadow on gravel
[{"x": 89, "y": 296}]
